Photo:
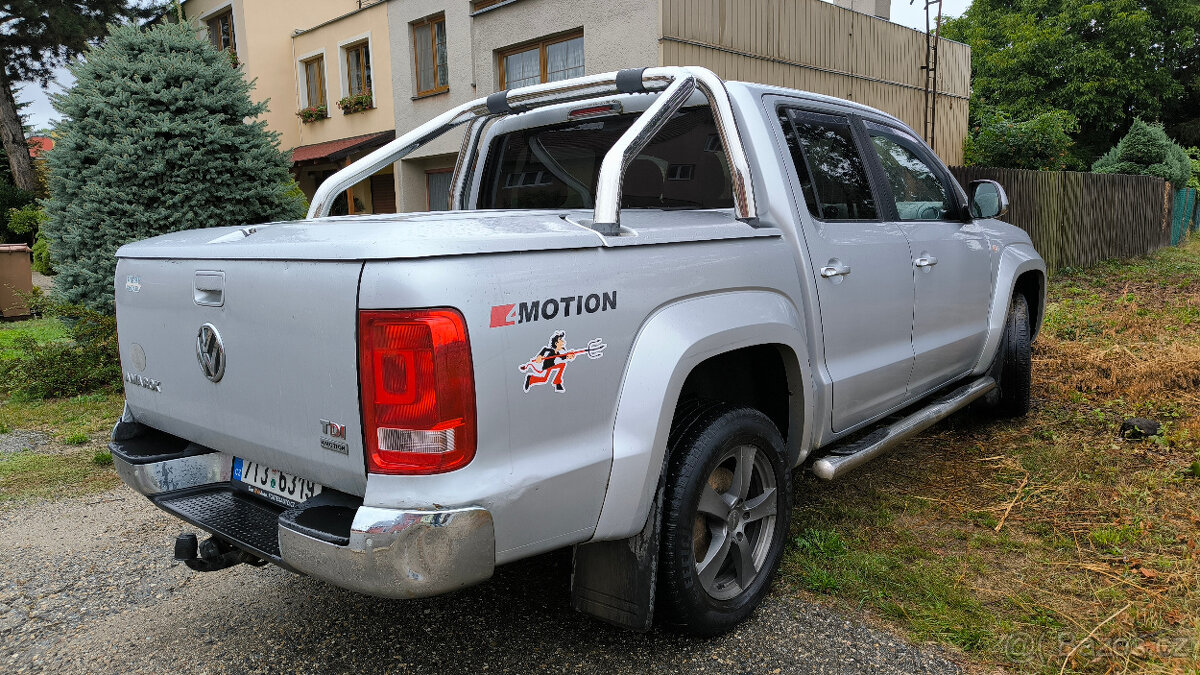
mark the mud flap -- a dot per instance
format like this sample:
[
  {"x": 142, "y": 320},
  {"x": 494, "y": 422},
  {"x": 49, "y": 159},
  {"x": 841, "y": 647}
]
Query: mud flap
[{"x": 614, "y": 581}]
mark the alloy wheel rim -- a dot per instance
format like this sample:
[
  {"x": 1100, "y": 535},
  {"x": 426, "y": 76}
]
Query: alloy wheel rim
[{"x": 734, "y": 522}]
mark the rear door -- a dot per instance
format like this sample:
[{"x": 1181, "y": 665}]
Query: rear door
[
  {"x": 862, "y": 267},
  {"x": 951, "y": 257}
]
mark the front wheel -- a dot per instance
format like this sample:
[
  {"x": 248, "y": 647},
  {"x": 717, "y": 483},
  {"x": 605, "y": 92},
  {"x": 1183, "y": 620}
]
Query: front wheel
[
  {"x": 1013, "y": 368},
  {"x": 725, "y": 519}
]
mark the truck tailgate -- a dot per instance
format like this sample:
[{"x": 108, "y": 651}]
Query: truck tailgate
[{"x": 288, "y": 394}]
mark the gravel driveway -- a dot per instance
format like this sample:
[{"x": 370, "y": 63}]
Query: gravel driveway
[{"x": 87, "y": 585}]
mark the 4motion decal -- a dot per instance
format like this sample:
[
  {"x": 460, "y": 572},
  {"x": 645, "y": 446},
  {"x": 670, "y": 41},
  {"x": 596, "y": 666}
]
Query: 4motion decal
[{"x": 552, "y": 308}]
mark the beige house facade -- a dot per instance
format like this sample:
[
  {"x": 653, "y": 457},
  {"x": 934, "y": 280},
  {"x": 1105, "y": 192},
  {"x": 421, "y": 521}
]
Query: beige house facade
[
  {"x": 309, "y": 55},
  {"x": 395, "y": 64}
]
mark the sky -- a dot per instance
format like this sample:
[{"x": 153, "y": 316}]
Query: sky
[
  {"x": 913, "y": 15},
  {"x": 41, "y": 113}
]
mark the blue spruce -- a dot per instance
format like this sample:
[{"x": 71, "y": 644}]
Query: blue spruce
[{"x": 159, "y": 134}]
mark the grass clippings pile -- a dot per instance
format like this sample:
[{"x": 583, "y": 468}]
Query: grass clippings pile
[{"x": 1045, "y": 544}]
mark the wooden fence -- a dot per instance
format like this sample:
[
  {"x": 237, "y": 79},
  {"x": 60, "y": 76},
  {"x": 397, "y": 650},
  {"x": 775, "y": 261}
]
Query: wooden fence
[{"x": 1076, "y": 219}]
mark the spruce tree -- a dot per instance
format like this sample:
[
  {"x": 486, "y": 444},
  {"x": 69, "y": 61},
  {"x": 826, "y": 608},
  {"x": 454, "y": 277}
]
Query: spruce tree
[
  {"x": 1147, "y": 151},
  {"x": 158, "y": 135}
]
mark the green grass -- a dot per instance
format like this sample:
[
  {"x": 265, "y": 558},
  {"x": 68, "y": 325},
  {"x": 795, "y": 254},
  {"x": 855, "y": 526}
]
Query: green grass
[
  {"x": 29, "y": 475},
  {"x": 75, "y": 438},
  {"x": 1013, "y": 540},
  {"x": 70, "y": 419},
  {"x": 41, "y": 330}
]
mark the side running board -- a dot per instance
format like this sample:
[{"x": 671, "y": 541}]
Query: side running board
[{"x": 841, "y": 459}]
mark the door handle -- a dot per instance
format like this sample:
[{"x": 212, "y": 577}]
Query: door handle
[
  {"x": 925, "y": 260},
  {"x": 835, "y": 268}
]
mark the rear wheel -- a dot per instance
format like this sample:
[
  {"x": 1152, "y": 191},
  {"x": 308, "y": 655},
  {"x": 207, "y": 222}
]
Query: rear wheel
[{"x": 725, "y": 517}]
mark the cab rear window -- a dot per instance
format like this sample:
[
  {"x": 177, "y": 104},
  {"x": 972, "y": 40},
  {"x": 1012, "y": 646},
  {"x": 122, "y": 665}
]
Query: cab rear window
[{"x": 555, "y": 167}]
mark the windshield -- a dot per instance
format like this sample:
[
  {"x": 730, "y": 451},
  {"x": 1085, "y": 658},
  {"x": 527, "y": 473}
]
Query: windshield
[{"x": 555, "y": 167}]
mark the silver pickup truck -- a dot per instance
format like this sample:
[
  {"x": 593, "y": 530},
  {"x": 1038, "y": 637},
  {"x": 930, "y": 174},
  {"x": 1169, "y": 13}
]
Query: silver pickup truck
[{"x": 657, "y": 296}]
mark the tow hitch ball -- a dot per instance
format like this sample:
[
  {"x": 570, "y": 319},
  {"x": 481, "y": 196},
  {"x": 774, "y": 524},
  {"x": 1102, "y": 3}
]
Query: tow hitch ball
[{"x": 215, "y": 553}]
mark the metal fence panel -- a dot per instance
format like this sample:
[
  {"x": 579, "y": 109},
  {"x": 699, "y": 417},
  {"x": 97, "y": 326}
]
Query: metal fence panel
[{"x": 820, "y": 47}]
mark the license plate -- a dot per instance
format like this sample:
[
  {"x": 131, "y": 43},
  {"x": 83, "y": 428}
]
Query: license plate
[{"x": 273, "y": 484}]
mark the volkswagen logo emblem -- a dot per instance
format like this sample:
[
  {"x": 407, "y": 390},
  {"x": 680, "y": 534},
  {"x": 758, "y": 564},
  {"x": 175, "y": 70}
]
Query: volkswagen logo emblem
[{"x": 210, "y": 352}]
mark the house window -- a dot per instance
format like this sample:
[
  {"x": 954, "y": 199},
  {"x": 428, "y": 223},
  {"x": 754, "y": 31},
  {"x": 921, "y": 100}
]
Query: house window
[
  {"x": 437, "y": 186},
  {"x": 358, "y": 69},
  {"x": 220, "y": 30},
  {"x": 314, "y": 81},
  {"x": 429, "y": 52},
  {"x": 549, "y": 60}
]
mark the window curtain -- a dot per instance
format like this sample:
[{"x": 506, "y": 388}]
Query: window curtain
[
  {"x": 522, "y": 69},
  {"x": 442, "y": 70},
  {"x": 424, "y": 58},
  {"x": 438, "y": 185},
  {"x": 564, "y": 60}
]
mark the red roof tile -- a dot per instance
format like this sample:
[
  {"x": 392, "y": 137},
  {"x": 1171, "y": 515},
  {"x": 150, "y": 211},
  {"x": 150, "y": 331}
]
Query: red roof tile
[
  {"x": 340, "y": 148},
  {"x": 40, "y": 145}
]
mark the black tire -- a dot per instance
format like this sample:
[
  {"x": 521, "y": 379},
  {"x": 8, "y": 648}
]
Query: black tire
[
  {"x": 715, "y": 442},
  {"x": 1013, "y": 368}
]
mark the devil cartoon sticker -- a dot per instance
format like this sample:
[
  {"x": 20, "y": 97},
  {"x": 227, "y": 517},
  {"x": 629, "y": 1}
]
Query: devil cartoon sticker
[{"x": 551, "y": 362}]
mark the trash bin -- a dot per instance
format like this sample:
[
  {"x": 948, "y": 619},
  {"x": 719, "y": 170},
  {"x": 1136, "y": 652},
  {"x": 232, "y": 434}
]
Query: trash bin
[{"x": 16, "y": 279}]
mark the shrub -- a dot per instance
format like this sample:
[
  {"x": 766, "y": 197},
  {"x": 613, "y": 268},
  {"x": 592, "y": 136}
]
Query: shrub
[
  {"x": 26, "y": 220},
  {"x": 13, "y": 199},
  {"x": 158, "y": 134},
  {"x": 1147, "y": 151},
  {"x": 89, "y": 361},
  {"x": 1041, "y": 142},
  {"x": 42, "y": 262}
]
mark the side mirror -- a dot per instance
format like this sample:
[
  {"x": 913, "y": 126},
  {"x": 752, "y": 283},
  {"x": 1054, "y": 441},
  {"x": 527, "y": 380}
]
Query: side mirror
[{"x": 987, "y": 199}]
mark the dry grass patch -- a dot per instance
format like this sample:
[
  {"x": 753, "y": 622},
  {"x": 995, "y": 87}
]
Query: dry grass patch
[{"x": 1046, "y": 543}]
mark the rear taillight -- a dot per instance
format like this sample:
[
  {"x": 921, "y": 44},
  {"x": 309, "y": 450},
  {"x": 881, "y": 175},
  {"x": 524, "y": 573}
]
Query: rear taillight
[{"x": 418, "y": 390}]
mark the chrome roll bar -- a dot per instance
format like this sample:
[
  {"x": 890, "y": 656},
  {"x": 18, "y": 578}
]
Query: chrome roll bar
[{"x": 675, "y": 83}]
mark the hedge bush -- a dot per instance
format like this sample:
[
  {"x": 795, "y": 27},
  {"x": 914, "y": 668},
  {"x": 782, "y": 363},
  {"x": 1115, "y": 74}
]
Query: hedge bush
[
  {"x": 1041, "y": 143},
  {"x": 88, "y": 361}
]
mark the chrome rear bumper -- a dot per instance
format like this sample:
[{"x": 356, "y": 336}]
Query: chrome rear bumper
[
  {"x": 391, "y": 553},
  {"x": 400, "y": 554}
]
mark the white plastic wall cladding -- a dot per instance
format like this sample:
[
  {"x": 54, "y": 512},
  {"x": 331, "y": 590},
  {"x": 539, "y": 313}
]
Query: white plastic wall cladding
[{"x": 670, "y": 344}]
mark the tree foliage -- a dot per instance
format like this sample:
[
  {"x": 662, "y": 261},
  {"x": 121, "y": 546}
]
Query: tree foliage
[
  {"x": 38, "y": 36},
  {"x": 1146, "y": 150},
  {"x": 1042, "y": 142},
  {"x": 155, "y": 138},
  {"x": 1194, "y": 157},
  {"x": 1106, "y": 63}
]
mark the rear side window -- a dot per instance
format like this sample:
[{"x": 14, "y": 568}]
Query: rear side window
[
  {"x": 555, "y": 167},
  {"x": 832, "y": 176}
]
